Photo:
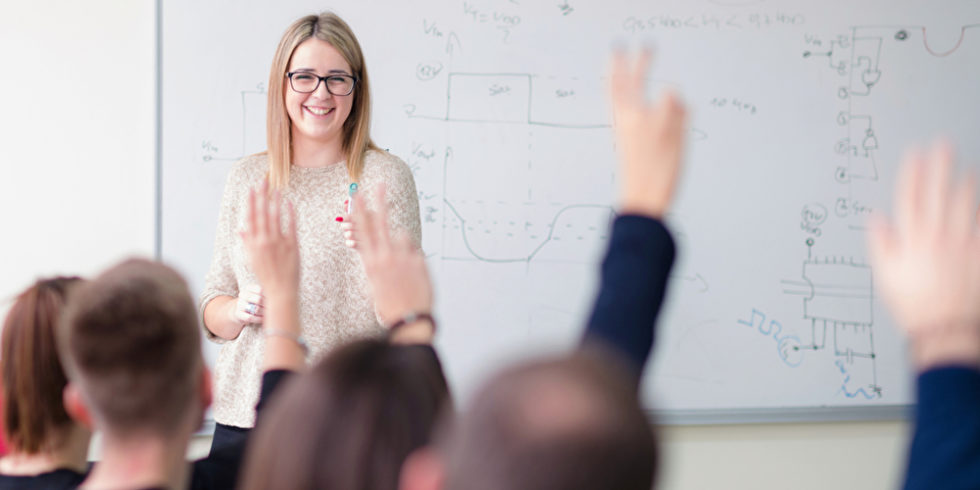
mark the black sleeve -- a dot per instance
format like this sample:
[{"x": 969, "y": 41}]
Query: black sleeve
[
  {"x": 631, "y": 290},
  {"x": 271, "y": 380},
  {"x": 424, "y": 363},
  {"x": 220, "y": 469},
  {"x": 945, "y": 450}
]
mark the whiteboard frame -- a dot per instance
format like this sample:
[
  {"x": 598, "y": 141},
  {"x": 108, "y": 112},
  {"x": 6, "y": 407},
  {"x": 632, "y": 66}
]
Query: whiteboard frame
[
  {"x": 695, "y": 417},
  {"x": 158, "y": 137},
  {"x": 789, "y": 415}
]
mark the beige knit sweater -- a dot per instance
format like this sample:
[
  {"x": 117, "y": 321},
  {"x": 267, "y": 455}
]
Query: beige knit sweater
[{"x": 335, "y": 306}]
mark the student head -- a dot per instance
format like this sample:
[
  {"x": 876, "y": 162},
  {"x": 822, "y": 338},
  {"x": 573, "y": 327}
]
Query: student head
[
  {"x": 320, "y": 45},
  {"x": 34, "y": 418},
  {"x": 351, "y": 421},
  {"x": 132, "y": 349},
  {"x": 567, "y": 423}
]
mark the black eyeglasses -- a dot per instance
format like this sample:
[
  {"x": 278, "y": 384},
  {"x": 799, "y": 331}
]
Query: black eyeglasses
[{"x": 305, "y": 82}]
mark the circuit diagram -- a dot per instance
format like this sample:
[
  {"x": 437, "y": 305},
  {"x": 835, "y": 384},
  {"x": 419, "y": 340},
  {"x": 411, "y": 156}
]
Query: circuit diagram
[{"x": 837, "y": 291}]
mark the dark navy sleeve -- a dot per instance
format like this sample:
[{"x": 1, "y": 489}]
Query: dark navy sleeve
[
  {"x": 220, "y": 470},
  {"x": 945, "y": 450},
  {"x": 631, "y": 290},
  {"x": 271, "y": 380}
]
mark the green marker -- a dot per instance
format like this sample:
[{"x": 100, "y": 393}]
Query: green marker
[{"x": 350, "y": 200}]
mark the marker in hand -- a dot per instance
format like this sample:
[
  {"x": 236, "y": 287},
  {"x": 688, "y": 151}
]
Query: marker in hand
[
  {"x": 347, "y": 225},
  {"x": 350, "y": 197}
]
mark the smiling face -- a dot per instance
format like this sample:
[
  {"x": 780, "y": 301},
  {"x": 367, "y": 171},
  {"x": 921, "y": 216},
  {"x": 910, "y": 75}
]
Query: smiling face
[{"x": 318, "y": 115}]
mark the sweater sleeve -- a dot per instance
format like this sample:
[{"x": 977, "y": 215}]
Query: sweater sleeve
[
  {"x": 220, "y": 280},
  {"x": 945, "y": 450},
  {"x": 632, "y": 285}
]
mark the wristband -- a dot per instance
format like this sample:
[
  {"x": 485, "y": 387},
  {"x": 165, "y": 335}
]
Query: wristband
[
  {"x": 412, "y": 318},
  {"x": 290, "y": 336}
]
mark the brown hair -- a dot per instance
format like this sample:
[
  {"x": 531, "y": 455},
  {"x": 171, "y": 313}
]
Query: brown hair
[
  {"x": 350, "y": 423},
  {"x": 33, "y": 380},
  {"x": 568, "y": 423},
  {"x": 130, "y": 341},
  {"x": 332, "y": 29}
]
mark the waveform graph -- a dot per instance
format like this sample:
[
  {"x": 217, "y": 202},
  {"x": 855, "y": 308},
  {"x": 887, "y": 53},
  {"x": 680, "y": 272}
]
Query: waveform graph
[
  {"x": 569, "y": 102},
  {"x": 487, "y": 97},
  {"x": 521, "y": 173},
  {"x": 577, "y": 234},
  {"x": 523, "y": 232}
]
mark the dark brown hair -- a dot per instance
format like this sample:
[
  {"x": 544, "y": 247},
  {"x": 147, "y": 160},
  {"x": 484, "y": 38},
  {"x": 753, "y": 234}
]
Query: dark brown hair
[
  {"x": 33, "y": 380},
  {"x": 130, "y": 340},
  {"x": 568, "y": 423},
  {"x": 350, "y": 423}
]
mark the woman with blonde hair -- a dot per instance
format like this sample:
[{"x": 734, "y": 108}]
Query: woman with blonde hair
[{"x": 319, "y": 154}]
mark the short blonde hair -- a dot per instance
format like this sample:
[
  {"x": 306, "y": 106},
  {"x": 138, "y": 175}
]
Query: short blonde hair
[{"x": 332, "y": 29}]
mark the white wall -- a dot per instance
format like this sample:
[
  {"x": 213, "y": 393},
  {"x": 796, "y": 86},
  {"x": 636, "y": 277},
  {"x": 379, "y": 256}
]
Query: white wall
[
  {"x": 869, "y": 456},
  {"x": 76, "y": 137},
  {"x": 76, "y": 194}
]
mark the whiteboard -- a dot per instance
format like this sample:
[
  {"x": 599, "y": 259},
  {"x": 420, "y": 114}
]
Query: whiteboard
[{"x": 800, "y": 111}]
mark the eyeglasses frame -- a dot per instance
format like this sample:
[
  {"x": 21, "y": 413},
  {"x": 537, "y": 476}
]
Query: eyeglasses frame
[{"x": 323, "y": 80}]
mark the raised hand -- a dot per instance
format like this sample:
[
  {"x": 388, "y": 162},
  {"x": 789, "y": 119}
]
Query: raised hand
[
  {"x": 395, "y": 267},
  {"x": 273, "y": 253},
  {"x": 927, "y": 263},
  {"x": 649, "y": 137}
]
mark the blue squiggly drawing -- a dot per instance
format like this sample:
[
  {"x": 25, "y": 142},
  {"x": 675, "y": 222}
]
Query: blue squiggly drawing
[
  {"x": 847, "y": 379},
  {"x": 787, "y": 346}
]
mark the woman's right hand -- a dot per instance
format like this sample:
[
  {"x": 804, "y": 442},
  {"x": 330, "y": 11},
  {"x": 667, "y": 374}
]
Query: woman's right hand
[
  {"x": 249, "y": 307},
  {"x": 226, "y": 316}
]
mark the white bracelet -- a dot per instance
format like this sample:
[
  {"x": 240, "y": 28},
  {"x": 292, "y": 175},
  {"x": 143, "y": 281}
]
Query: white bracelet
[{"x": 271, "y": 332}]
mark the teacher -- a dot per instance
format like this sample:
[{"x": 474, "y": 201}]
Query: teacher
[{"x": 319, "y": 149}]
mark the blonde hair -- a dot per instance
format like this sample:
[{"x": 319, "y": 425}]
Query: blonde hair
[{"x": 332, "y": 29}]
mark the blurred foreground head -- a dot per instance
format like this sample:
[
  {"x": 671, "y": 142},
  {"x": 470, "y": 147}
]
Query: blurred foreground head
[
  {"x": 568, "y": 423},
  {"x": 131, "y": 346},
  {"x": 350, "y": 422}
]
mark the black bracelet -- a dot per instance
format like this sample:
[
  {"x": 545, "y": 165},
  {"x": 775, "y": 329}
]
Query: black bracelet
[{"x": 412, "y": 318}]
